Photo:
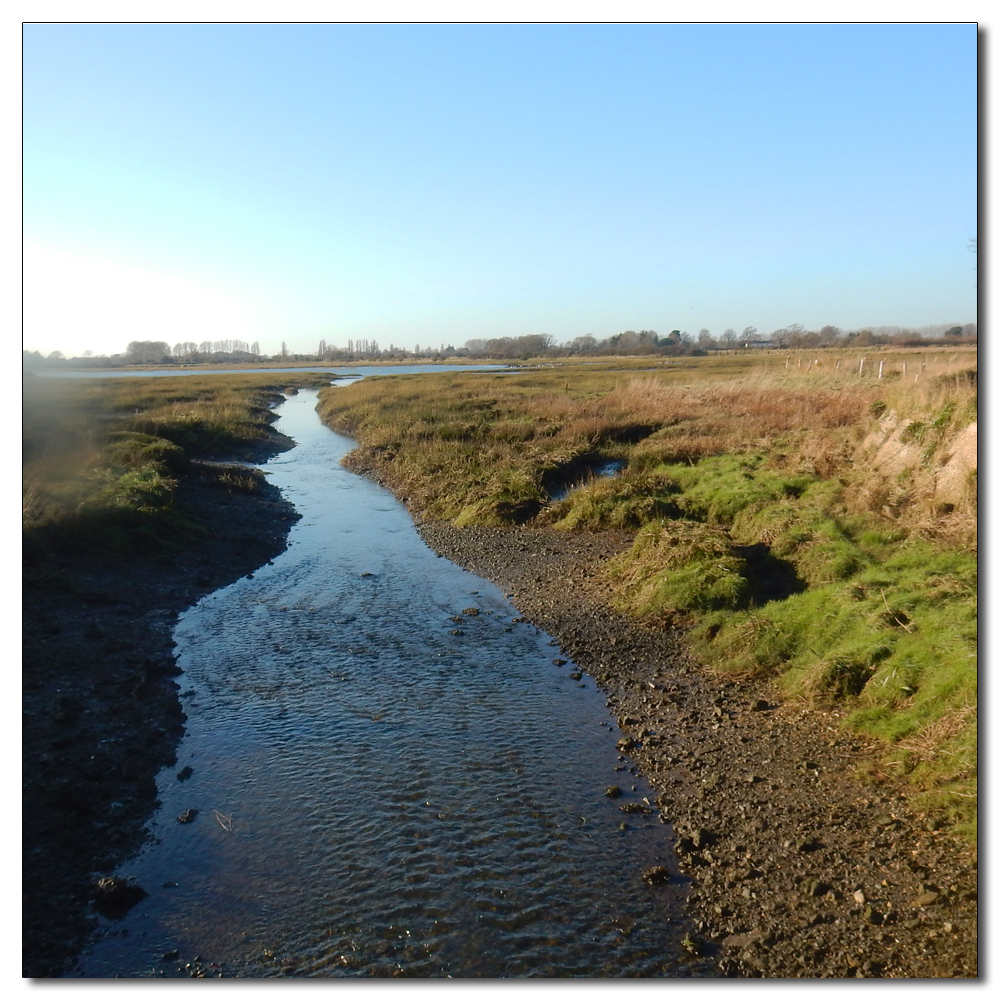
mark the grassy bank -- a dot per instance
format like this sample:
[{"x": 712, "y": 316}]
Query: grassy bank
[
  {"x": 102, "y": 457},
  {"x": 812, "y": 522}
]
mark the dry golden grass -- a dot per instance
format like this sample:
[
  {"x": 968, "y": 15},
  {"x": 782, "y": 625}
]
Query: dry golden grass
[
  {"x": 440, "y": 439},
  {"x": 933, "y": 740}
]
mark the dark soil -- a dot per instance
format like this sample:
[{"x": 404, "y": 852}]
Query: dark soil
[
  {"x": 799, "y": 868},
  {"x": 101, "y": 713}
]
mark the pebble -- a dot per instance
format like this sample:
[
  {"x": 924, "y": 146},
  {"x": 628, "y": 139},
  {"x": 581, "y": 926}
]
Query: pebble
[{"x": 657, "y": 875}]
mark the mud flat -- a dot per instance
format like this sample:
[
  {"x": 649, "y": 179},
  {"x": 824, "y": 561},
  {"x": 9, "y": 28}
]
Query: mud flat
[
  {"x": 799, "y": 868},
  {"x": 101, "y": 714}
]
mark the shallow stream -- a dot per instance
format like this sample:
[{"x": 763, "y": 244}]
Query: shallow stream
[{"x": 393, "y": 774}]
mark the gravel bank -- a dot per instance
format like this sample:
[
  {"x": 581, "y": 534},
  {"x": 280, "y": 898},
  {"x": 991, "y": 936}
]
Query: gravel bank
[{"x": 798, "y": 868}]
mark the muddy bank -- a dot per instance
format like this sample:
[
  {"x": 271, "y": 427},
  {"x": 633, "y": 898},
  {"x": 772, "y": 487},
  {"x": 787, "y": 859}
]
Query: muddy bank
[
  {"x": 101, "y": 714},
  {"x": 798, "y": 868}
]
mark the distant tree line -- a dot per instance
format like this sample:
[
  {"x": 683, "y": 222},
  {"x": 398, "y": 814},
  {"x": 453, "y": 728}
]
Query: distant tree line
[
  {"x": 535, "y": 345},
  {"x": 678, "y": 342}
]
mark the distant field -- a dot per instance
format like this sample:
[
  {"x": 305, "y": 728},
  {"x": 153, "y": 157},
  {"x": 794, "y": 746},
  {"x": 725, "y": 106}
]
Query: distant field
[{"x": 810, "y": 517}]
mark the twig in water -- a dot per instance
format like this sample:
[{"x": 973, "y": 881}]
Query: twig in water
[{"x": 226, "y": 822}]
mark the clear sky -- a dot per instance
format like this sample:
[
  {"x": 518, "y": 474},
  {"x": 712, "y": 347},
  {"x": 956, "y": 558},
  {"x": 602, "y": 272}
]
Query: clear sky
[{"x": 434, "y": 183}]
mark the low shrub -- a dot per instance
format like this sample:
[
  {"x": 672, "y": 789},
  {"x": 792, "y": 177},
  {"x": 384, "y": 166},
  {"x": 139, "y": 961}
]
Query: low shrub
[{"x": 133, "y": 449}]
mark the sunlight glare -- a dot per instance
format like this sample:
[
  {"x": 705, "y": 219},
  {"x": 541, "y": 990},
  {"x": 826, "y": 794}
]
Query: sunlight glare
[{"x": 76, "y": 303}]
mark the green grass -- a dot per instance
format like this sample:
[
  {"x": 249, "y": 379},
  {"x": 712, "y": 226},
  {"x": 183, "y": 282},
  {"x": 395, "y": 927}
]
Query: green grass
[
  {"x": 619, "y": 502},
  {"x": 679, "y": 565},
  {"x": 886, "y": 625}
]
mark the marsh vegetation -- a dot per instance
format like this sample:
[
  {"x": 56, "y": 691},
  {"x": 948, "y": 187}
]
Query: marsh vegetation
[
  {"x": 102, "y": 458},
  {"x": 808, "y": 520}
]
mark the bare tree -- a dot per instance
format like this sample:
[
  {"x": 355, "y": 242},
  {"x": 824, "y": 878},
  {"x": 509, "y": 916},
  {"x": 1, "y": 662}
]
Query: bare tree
[
  {"x": 789, "y": 335},
  {"x": 147, "y": 352}
]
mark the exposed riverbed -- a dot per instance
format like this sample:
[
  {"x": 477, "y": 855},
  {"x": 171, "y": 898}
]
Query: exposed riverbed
[{"x": 391, "y": 773}]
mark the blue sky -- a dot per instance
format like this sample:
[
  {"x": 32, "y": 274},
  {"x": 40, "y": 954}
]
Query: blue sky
[{"x": 434, "y": 183}]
